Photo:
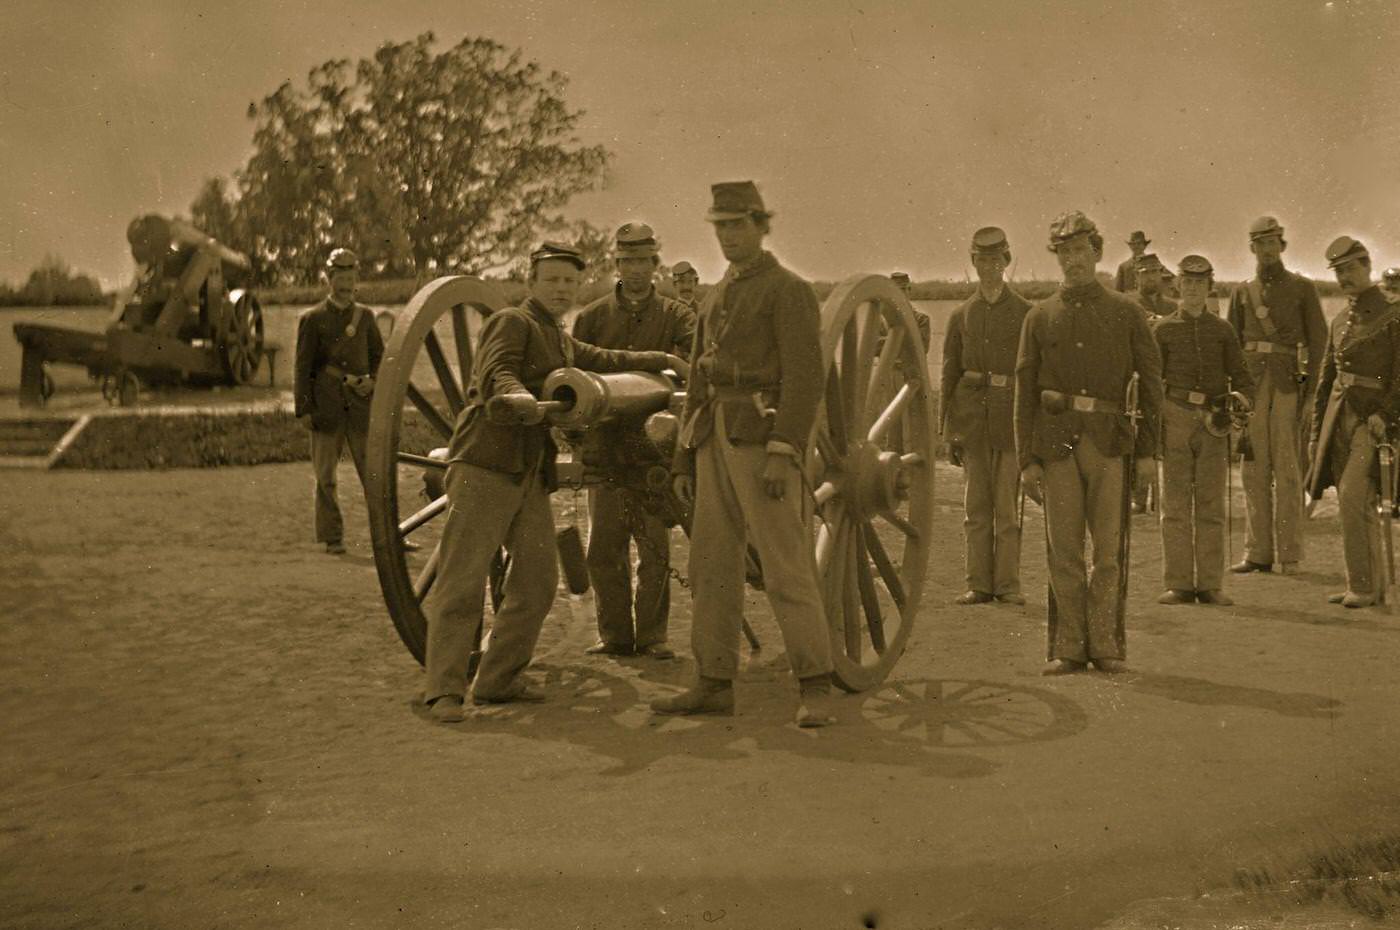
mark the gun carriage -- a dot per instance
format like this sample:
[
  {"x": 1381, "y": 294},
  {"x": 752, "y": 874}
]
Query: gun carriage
[
  {"x": 869, "y": 461},
  {"x": 182, "y": 323}
]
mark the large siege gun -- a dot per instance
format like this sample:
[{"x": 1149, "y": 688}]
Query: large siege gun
[
  {"x": 182, "y": 323},
  {"x": 868, "y": 466}
]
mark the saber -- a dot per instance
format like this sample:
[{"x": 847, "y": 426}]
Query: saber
[
  {"x": 1125, "y": 537},
  {"x": 1386, "y": 452}
]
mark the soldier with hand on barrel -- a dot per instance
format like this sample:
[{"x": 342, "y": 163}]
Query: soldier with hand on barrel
[
  {"x": 1084, "y": 353},
  {"x": 756, "y": 380},
  {"x": 977, "y": 389},
  {"x": 338, "y": 353},
  {"x": 1205, "y": 377},
  {"x": 633, "y": 316},
  {"x": 1279, "y": 321},
  {"x": 501, "y": 471},
  {"x": 1358, "y": 403}
]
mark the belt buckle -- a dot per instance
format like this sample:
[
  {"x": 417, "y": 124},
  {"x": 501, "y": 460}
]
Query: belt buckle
[
  {"x": 1083, "y": 404},
  {"x": 1195, "y": 397}
]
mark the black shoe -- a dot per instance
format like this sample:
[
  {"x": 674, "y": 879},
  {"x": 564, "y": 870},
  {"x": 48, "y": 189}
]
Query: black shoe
[
  {"x": 1217, "y": 598},
  {"x": 706, "y": 696},
  {"x": 973, "y": 597},
  {"x": 1176, "y": 596},
  {"x": 1062, "y": 667},
  {"x": 520, "y": 694},
  {"x": 657, "y": 651},
  {"x": 603, "y": 648},
  {"x": 1245, "y": 566}
]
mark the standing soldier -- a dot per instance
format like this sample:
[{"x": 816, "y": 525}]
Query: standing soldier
[
  {"x": 757, "y": 349},
  {"x": 978, "y": 387},
  {"x": 499, "y": 477},
  {"x": 1391, "y": 281},
  {"x": 1126, "y": 278},
  {"x": 1357, "y": 405},
  {"x": 686, "y": 279},
  {"x": 1155, "y": 305},
  {"x": 633, "y": 316},
  {"x": 1279, "y": 321},
  {"x": 921, "y": 319},
  {"x": 1081, "y": 353},
  {"x": 1201, "y": 364},
  {"x": 338, "y": 353}
]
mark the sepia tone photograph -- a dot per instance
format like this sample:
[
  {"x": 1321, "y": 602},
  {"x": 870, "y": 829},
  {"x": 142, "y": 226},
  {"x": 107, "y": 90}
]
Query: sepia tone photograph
[{"x": 790, "y": 465}]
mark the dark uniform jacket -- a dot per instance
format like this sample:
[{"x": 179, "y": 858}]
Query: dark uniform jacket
[
  {"x": 519, "y": 347},
  {"x": 1126, "y": 278},
  {"x": 613, "y": 322},
  {"x": 758, "y": 332},
  {"x": 1295, "y": 314},
  {"x": 324, "y": 339},
  {"x": 979, "y": 370},
  {"x": 1201, "y": 354},
  {"x": 1085, "y": 341},
  {"x": 1364, "y": 342},
  {"x": 1158, "y": 305}
]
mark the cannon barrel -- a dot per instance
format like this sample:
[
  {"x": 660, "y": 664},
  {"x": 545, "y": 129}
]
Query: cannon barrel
[
  {"x": 152, "y": 235},
  {"x": 589, "y": 398}
]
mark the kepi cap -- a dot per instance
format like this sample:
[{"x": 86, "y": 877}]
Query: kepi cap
[
  {"x": 1148, "y": 261},
  {"x": 1391, "y": 276},
  {"x": 1067, "y": 226},
  {"x": 1264, "y": 227},
  {"x": 681, "y": 269},
  {"x": 1139, "y": 236},
  {"x": 1196, "y": 266},
  {"x": 342, "y": 260},
  {"x": 1344, "y": 249},
  {"x": 734, "y": 200},
  {"x": 636, "y": 240},
  {"x": 900, "y": 278},
  {"x": 567, "y": 253},
  {"x": 989, "y": 240}
]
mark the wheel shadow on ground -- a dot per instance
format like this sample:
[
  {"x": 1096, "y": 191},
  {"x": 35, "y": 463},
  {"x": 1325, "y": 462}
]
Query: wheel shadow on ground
[
  {"x": 934, "y": 726},
  {"x": 1362, "y": 620},
  {"x": 1199, "y": 691}
]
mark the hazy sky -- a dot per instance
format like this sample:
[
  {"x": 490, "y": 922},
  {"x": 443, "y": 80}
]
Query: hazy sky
[{"x": 881, "y": 133}]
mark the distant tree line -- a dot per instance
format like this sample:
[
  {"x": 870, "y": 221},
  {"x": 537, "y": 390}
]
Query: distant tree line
[
  {"x": 51, "y": 284},
  {"x": 422, "y": 161}
]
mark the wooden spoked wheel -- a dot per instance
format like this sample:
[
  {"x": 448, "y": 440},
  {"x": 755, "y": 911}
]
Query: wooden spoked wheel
[
  {"x": 428, "y": 364},
  {"x": 241, "y": 342},
  {"x": 870, "y": 465}
]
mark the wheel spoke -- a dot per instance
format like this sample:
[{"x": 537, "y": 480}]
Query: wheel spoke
[
  {"x": 884, "y": 566},
  {"x": 446, "y": 379},
  {"x": 889, "y": 355},
  {"x": 424, "y": 582},
  {"x": 901, "y": 524},
  {"x": 891, "y": 413},
  {"x": 850, "y": 594},
  {"x": 850, "y": 372},
  {"x": 832, "y": 457},
  {"x": 462, "y": 339},
  {"x": 430, "y": 413},
  {"x": 869, "y": 599},
  {"x": 423, "y": 516},
  {"x": 409, "y": 458},
  {"x": 826, "y": 492},
  {"x": 835, "y": 415},
  {"x": 912, "y": 459}
]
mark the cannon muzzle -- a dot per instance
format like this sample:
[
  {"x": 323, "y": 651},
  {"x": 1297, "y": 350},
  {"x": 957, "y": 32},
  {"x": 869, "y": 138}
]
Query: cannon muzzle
[{"x": 585, "y": 398}]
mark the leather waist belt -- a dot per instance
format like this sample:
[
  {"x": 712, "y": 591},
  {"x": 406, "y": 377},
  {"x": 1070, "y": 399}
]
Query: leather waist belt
[
  {"x": 1186, "y": 396},
  {"x": 1267, "y": 348},
  {"x": 986, "y": 379},
  {"x": 1060, "y": 402},
  {"x": 1351, "y": 379},
  {"x": 734, "y": 392}
]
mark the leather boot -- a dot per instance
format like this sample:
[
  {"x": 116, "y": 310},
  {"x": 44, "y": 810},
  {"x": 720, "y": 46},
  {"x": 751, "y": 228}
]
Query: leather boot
[
  {"x": 815, "y": 706},
  {"x": 706, "y": 696}
]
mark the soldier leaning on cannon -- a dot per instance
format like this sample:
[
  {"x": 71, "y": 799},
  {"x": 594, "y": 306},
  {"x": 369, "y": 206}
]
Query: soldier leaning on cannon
[
  {"x": 1204, "y": 379},
  {"x": 500, "y": 474},
  {"x": 756, "y": 380},
  {"x": 1279, "y": 321},
  {"x": 338, "y": 353},
  {"x": 977, "y": 389},
  {"x": 633, "y": 316},
  {"x": 1082, "y": 352},
  {"x": 1358, "y": 403}
]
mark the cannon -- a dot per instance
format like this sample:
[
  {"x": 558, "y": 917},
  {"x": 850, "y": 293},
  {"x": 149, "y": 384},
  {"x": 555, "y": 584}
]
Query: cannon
[
  {"x": 868, "y": 464},
  {"x": 182, "y": 323}
]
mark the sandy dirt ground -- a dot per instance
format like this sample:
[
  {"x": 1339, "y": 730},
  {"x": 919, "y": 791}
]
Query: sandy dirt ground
[{"x": 209, "y": 723}]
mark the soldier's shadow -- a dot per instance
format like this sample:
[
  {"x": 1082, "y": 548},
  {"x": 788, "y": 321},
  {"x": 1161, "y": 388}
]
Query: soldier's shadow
[
  {"x": 1213, "y": 694},
  {"x": 1363, "y": 620},
  {"x": 934, "y": 726}
]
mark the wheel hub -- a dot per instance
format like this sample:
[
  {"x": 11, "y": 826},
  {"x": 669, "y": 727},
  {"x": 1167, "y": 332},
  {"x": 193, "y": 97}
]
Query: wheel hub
[{"x": 875, "y": 481}]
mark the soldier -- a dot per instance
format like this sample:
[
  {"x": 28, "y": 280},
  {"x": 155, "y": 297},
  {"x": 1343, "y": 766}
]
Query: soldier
[
  {"x": 1078, "y": 354},
  {"x": 1201, "y": 364},
  {"x": 499, "y": 477},
  {"x": 978, "y": 385},
  {"x": 1279, "y": 321},
  {"x": 686, "y": 279},
  {"x": 921, "y": 319},
  {"x": 337, "y": 355},
  {"x": 1126, "y": 278},
  {"x": 1357, "y": 405},
  {"x": 757, "y": 349},
  {"x": 1391, "y": 281},
  {"x": 633, "y": 316},
  {"x": 1149, "y": 288}
]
